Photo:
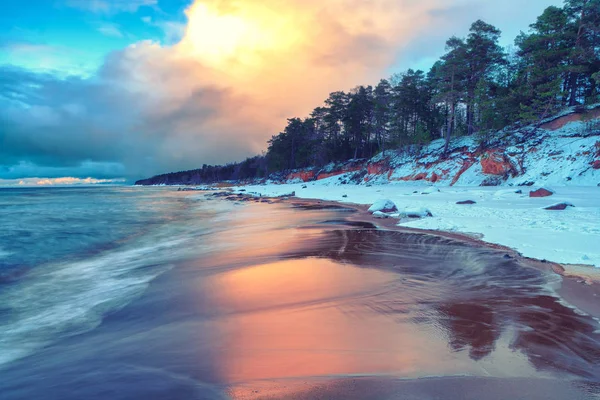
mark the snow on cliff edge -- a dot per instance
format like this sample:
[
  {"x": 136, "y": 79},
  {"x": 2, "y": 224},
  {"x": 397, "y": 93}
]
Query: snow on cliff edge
[{"x": 563, "y": 155}]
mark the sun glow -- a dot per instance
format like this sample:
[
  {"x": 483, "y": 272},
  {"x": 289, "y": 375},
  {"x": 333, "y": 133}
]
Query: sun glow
[{"x": 240, "y": 35}]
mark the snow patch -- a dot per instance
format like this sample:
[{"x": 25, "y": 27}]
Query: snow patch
[{"x": 384, "y": 205}]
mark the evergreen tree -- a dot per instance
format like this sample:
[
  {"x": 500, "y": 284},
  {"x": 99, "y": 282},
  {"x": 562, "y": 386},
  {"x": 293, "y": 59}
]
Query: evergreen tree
[
  {"x": 483, "y": 57},
  {"x": 382, "y": 112},
  {"x": 544, "y": 52},
  {"x": 450, "y": 78}
]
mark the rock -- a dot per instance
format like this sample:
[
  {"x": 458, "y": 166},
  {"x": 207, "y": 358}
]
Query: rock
[
  {"x": 344, "y": 196},
  {"x": 304, "y": 186},
  {"x": 541, "y": 192},
  {"x": 507, "y": 256},
  {"x": 379, "y": 214},
  {"x": 492, "y": 181},
  {"x": 519, "y": 191},
  {"x": 495, "y": 162},
  {"x": 466, "y": 202},
  {"x": 416, "y": 213},
  {"x": 386, "y": 206},
  {"x": 292, "y": 194},
  {"x": 559, "y": 206},
  {"x": 596, "y": 164}
]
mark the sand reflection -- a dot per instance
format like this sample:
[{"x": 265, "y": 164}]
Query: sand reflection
[
  {"x": 315, "y": 317},
  {"x": 309, "y": 298}
]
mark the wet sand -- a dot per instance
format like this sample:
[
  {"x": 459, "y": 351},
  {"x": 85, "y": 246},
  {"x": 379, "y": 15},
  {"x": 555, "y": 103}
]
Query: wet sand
[
  {"x": 580, "y": 284},
  {"x": 301, "y": 300}
]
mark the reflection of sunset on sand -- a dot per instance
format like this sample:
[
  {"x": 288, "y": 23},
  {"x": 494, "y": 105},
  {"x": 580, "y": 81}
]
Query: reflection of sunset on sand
[
  {"x": 311, "y": 317},
  {"x": 362, "y": 302}
]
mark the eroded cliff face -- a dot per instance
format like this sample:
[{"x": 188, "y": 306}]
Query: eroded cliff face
[{"x": 563, "y": 151}]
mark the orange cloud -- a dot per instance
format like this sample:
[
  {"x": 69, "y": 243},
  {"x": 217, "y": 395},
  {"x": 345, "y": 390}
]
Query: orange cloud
[{"x": 244, "y": 66}]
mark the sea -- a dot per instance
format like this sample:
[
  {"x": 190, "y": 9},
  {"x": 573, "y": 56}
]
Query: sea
[{"x": 154, "y": 293}]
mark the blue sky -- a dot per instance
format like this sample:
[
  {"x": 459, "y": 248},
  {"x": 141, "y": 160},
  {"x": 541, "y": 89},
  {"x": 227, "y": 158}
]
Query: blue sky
[
  {"x": 112, "y": 89},
  {"x": 74, "y": 36}
]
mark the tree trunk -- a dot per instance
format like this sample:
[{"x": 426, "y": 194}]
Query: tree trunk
[
  {"x": 573, "y": 76},
  {"x": 449, "y": 129}
]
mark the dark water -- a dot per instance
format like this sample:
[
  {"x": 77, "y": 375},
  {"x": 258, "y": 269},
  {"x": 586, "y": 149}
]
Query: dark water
[{"x": 126, "y": 293}]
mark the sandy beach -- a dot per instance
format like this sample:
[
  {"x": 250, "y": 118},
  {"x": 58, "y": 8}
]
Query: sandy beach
[{"x": 291, "y": 299}]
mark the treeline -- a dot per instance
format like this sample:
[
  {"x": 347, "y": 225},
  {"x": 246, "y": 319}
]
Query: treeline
[
  {"x": 476, "y": 88},
  {"x": 254, "y": 167}
]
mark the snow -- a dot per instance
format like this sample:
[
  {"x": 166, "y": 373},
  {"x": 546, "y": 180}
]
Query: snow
[
  {"x": 430, "y": 190},
  {"x": 419, "y": 212},
  {"x": 379, "y": 214},
  {"x": 500, "y": 216},
  {"x": 562, "y": 160},
  {"x": 383, "y": 205}
]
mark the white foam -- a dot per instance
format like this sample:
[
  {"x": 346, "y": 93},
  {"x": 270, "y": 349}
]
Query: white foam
[
  {"x": 4, "y": 253},
  {"x": 61, "y": 300}
]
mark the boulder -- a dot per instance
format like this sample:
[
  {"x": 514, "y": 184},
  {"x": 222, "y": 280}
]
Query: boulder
[
  {"x": 385, "y": 206},
  {"x": 559, "y": 206},
  {"x": 416, "y": 213},
  {"x": 596, "y": 164},
  {"x": 466, "y": 202},
  {"x": 379, "y": 214},
  {"x": 541, "y": 192}
]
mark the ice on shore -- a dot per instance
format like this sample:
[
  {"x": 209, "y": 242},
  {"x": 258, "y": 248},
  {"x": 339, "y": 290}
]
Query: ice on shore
[
  {"x": 505, "y": 216},
  {"x": 420, "y": 212},
  {"x": 385, "y": 206}
]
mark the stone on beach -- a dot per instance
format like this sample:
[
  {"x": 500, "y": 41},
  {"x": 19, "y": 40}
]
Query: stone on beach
[
  {"x": 385, "y": 206},
  {"x": 379, "y": 214},
  {"x": 416, "y": 213},
  {"x": 559, "y": 206},
  {"x": 466, "y": 202},
  {"x": 541, "y": 192}
]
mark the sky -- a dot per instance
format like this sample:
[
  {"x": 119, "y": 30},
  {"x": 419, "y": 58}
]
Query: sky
[{"x": 109, "y": 91}]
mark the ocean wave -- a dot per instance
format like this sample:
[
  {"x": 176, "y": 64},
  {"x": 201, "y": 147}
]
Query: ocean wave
[
  {"x": 60, "y": 300},
  {"x": 4, "y": 253}
]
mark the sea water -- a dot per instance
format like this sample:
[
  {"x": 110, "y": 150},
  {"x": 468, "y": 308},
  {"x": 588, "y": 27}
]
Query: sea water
[{"x": 69, "y": 256}]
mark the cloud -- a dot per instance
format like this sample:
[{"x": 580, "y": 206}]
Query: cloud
[
  {"x": 110, "y": 30},
  {"x": 110, "y": 6},
  {"x": 63, "y": 181},
  {"x": 216, "y": 95}
]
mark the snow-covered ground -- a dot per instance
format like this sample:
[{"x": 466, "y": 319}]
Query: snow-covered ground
[{"x": 500, "y": 215}]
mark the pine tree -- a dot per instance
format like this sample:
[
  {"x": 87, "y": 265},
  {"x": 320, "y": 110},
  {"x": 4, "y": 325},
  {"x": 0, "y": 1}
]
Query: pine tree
[
  {"x": 483, "y": 56},
  {"x": 544, "y": 52},
  {"x": 450, "y": 78},
  {"x": 382, "y": 112},
  {"x": 583, "y": 32}
]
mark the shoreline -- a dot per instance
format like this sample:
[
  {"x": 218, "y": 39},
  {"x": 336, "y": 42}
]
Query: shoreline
[{"x": 579, "y": 287}]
